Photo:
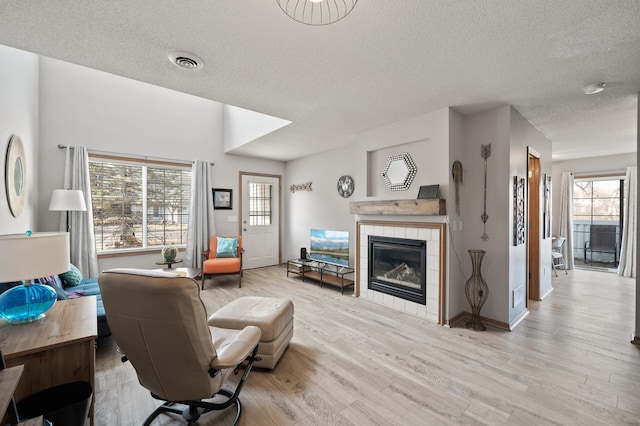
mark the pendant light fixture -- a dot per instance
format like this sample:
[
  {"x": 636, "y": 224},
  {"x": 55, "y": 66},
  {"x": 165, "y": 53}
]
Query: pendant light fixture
[{"x": 317, "y": 12}]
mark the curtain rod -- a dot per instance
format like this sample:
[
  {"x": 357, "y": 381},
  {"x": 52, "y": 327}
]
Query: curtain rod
[
  {"x": 61, "y": 146},
  {"x": 600, "y": 174}
]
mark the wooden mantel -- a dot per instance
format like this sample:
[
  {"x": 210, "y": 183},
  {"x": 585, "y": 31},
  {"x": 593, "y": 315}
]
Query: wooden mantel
[{"x": 433, "y": 207}]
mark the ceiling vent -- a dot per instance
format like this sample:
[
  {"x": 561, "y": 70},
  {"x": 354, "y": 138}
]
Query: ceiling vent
[{"x": 187, "y": 61}]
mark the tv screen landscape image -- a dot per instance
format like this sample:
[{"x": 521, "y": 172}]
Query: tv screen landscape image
[{"x": 330, "y": 246}]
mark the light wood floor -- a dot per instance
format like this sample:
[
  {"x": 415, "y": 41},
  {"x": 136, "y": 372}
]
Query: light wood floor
[{"x": 352, "y": 362}]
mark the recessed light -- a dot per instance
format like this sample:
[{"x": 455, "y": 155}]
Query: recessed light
[
  {"x": 593, "y": 88},
  {"x": 187, "y": 61}
]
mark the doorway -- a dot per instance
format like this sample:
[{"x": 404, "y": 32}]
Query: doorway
[
  {"x": 598, "y": 203},
  {"x": 533, "y": 215},
  {"x": 260, "y": 201}
]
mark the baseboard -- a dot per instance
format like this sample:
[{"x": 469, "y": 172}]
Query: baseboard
[
  {"x": 449, "y": 323},
  {"x": 513, "y": 324},
  {"x": 486, "y": 321},
  {"x": 546, "y": 294}
]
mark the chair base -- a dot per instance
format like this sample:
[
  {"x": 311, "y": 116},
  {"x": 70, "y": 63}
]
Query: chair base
[{"x": 194, "y": 409}]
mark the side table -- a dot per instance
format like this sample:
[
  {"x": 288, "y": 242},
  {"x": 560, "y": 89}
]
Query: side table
[
  {"x": 58, "y": 349},
  {"x": 168, "y": 262}
]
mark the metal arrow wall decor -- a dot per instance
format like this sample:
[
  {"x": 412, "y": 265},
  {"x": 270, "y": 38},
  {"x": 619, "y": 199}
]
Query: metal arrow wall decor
[{"x": 485, "y": 152}]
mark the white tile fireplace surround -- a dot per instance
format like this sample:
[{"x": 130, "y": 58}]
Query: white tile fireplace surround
[{"x": 432, "y": 234}]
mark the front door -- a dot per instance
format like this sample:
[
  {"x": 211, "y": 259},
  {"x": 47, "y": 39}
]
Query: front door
[{"x": 260, "y": 225}]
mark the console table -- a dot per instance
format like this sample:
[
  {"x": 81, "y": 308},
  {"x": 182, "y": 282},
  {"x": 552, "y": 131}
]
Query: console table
[
  {"x": 325, "y": 273},
  {"x": 58, "y": 349}
]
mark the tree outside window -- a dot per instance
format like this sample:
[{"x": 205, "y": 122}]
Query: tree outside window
[{"x": 137, "y": 205}]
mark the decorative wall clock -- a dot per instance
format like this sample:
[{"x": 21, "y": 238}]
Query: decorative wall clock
[
  {"x": 15, "y": 177},
  {"x": 345, "y": 186}
]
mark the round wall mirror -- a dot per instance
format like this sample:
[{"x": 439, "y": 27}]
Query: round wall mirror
[
  {"x": 399, "y": 172},
  {"x": 15, "y": 175}
]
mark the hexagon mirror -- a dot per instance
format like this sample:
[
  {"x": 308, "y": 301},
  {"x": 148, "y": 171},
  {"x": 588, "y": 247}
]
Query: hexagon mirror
[{"x": 399, "y": 171}]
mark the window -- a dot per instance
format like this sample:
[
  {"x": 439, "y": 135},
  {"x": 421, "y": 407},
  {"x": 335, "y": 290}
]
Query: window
[
  {"x": 597, "y": 207},
  {"x": 139, "y": 204},
  {"x": 259, "y": 204}
]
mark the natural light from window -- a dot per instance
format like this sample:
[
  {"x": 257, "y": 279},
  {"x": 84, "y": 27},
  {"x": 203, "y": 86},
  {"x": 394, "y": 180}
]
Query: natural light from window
[{"x": 137, "y": 205}]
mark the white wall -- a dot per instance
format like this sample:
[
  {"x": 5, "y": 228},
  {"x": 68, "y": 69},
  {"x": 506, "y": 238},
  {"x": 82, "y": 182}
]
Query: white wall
[
  {"x": 242, "y": 126},
  {"x": 505, "y": 266},
  {"x": 322, "y": 207},
  {"x": 19, "y": 116},
  {"x": 455, "y": 228},
  {"x": 488, "y": 127},
  {"x": 524, "y": 135},
  {"x": 108, "y": 113},
  {"x": 425, "y": 137},
  {"x": 637, "y": 322}
]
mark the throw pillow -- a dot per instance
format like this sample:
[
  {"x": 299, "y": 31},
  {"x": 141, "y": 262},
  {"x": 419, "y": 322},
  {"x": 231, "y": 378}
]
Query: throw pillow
[
  {"x": 72, "y": 277},
  {"x": 227, "y": 247},
  {"x": 53, "y": 283}
]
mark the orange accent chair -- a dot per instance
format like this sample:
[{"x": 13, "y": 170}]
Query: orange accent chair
[{"x": 214, "y": 264}]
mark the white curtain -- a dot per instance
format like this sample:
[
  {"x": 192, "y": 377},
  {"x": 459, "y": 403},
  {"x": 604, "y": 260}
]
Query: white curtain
[
  {"x": 565, "y": 228},
  {"x": 201, "y": 220},
  {"x": 82, "y": 236},
  {"x": 627, "y": 265}
]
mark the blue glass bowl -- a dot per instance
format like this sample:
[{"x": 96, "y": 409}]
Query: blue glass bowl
[{"x": 26, "y": 302}]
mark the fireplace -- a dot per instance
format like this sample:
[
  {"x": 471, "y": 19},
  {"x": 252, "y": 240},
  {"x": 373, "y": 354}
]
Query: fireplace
[
  {"x": 397, "y": 267},
  {"x": 432, "y": 235}
]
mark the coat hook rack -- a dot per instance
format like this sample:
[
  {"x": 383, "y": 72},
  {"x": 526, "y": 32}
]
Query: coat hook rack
[{"x": 301, "y": 187}]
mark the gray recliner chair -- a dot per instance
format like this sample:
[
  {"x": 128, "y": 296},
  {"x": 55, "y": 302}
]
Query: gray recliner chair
[{"x": 160, "y": 324}]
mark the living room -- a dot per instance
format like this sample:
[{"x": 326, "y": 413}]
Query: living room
[{"x": 50, "y": 102}]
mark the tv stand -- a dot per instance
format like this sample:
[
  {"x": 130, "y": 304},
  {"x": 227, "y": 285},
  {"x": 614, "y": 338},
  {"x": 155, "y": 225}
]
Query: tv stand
[{"x": 324, "y": 273}]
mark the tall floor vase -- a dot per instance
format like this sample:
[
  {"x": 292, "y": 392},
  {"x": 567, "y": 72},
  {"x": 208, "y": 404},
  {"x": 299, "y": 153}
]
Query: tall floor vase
[{"x": 476, "y": 290}]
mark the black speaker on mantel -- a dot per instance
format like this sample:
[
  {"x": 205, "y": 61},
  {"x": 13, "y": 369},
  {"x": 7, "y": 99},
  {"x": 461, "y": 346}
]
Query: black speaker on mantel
[{"x": 303, "y": 253}]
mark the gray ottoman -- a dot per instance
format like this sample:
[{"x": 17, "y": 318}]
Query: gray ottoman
[{"x": 273, "y": 316}]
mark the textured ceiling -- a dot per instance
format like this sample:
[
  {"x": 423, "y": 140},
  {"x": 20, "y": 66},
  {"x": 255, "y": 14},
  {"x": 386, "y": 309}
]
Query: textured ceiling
[{"x": 386, "y": 61}]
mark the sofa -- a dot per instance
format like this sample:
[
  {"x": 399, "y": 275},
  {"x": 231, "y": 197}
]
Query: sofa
[{"x": 70, "y": 285}]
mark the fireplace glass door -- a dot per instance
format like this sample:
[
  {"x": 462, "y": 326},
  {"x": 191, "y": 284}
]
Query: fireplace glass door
[{"x": 397, "y": 266}]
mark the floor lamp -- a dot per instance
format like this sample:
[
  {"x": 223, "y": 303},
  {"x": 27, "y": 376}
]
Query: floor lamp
[{"x": 68, "y": 200}]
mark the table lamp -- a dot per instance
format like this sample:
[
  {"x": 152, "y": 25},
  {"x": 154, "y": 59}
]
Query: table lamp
[
  {"x": 67, "y": 200},
  {"x": 25, "y": 257}
]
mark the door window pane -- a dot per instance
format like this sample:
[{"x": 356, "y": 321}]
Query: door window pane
[{"x": 260, "y": 204}]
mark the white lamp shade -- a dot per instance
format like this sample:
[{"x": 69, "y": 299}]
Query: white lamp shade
[
  {"x": 67, "y": 200},
  {"x": 28, "y": 257}
]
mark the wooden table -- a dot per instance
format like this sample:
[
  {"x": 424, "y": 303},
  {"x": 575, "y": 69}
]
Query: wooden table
[{"x": 56, "y": 350}]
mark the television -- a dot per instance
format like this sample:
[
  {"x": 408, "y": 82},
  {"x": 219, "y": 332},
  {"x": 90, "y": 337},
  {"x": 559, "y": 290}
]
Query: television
[{"x": 329, "y": 246}]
